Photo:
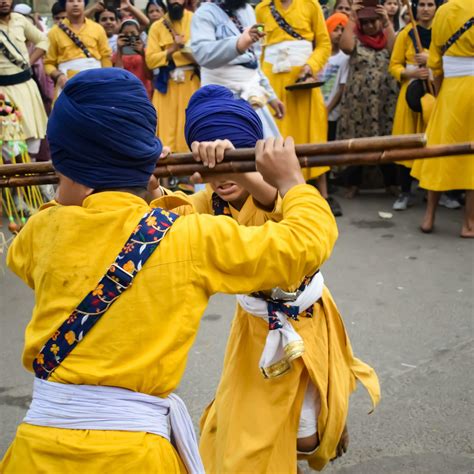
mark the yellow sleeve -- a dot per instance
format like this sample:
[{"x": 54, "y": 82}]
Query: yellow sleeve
[
  {"x": 19, "y": 255},
  {"x": 435, "y": 58},
  {"x": 237, "y": 259},
  {"x": 155, "y": 55},
  {"x": 51, "y": 58},
  {"x": 105, "y": 50},
  {"x": 202, "y": 202},
  {"x": 276, "y": 214},
  {"x": 37, "y": 37},
  {"x": 398, "y": 59},
  {"x": 322, "y": 51}
]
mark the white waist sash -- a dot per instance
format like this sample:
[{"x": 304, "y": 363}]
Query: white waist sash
[
  {"x": 243, "y": 81},
  {"x": 288, "y": 54},
  {"x": 458, "y": 66},
  {"x": 81, "y": 64},
  {"x": 95, "y": 407},
  {"x": 284, "y": 344}
]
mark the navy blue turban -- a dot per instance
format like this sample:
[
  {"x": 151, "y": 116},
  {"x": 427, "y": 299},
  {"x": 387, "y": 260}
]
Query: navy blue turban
[
  {"x": 102, "y": 130},
  {"x": 214, "y": 113}
]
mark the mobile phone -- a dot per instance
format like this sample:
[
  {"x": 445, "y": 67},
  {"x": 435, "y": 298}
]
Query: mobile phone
[
  {"x": 111, "y": 5},
  {"x": 128, "y": 51}
]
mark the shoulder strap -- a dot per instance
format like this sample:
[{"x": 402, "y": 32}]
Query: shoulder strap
[
  {"x": 219, "y": 206},
  {"x": 457, "y": 35},
  {"x": 75, "y": 39},
  {"x": 144, "y": 240},
  {"x": 282, "y": 23},
  {"x": 15, "y": 56},
  {"x": 169, "y": 26},
  {"x": 425, "y": 37}
]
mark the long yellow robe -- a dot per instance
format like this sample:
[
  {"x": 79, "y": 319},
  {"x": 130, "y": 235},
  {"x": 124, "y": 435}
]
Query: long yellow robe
[
  {"x": 251, "y": 425},
  {"x": 453, "y": 115},
  {"x": 62, "y": 48},
  {"x": 142, "y": 343},
  {"x": 405, "y": 121},
  {"x": 171, "y": 107},
  {"x": 306, "y": 116}
]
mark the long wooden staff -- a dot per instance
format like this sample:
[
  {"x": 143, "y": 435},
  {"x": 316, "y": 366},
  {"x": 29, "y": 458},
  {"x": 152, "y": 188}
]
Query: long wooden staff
[
  {"x": 419, "y": 46},
  {"x": 30, "y": 174}
]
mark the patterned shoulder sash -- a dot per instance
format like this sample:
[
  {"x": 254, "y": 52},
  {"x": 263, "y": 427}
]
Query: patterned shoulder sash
[
  {"x": 144, "y": 240},
  {"x": 457, "y": 35},
  {"x": 219, "y": 206},
  {"x": 282, "y": 23},
  {"x": 75, "y": 39}
]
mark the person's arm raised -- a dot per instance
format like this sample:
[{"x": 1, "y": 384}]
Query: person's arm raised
[{"x": 236, "y": 259}]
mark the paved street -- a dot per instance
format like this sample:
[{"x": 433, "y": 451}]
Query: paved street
[{"x": 407, "y": 300}]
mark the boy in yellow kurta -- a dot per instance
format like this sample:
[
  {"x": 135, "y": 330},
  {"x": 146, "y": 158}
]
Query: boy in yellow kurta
[
  {"x": 174, "y": 70},
  {"x": 297, "y": 48},
  {"x": 75, "y": 44},
  {"x": 138, "y": 348},
  {"x": 451, "y": 60},
  {"x": 254, "y": 422},
  {"x": 408, "y": 64}
]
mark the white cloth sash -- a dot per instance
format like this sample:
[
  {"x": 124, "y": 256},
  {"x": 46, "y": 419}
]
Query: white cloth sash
[
  {"x": 80, "y": 64},
  {"x": 284, "y": 344},
  {"x": 96, "y": 407},
  {"x": 177, "y": 74},
  {"x": 241, "y": 80},
  {"x": 458, "y": 66},
  {"x": 288, "y": 54}
]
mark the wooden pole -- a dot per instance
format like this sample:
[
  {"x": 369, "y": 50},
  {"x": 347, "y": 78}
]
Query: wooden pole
[
  {"x": 164, "y": 170},
  {"x": 419, "y": 46},
  {"x": 248, "y": 154}
]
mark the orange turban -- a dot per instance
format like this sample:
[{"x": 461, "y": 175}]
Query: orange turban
[{"x": 335, "y": 20}]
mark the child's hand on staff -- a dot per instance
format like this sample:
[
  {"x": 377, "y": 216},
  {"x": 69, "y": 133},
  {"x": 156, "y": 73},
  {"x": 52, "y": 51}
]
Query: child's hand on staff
[
  {"x": 277, "y": 162},
  {"x": 210, "y": 153}
]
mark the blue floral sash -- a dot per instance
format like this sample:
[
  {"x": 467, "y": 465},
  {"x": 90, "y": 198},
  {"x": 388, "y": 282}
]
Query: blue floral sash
[{"x": 144, "y": 240}]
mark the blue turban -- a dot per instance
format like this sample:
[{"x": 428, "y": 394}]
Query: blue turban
[
  {"x": 102, "y": 130},
  {"x": 214, "y": 113}
]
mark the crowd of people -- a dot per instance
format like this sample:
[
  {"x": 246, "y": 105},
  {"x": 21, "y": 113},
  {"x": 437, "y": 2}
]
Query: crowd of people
[
  {"x": 210, "y": 79},
  {"x": 367, "y": 57}
]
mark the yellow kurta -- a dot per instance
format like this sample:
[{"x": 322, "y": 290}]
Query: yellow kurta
[
  {"x": 26, "y": 95},
  {"x": 306, "y": 116},
  {"x": 405, "y": 121},
  {"x": 171, "y": 107},
  {"x": 143, "y": 341},
  {"x": 453, "y": 115},
  {"x": 63, "y": 49},
  {"x": 251, "y": 425}
]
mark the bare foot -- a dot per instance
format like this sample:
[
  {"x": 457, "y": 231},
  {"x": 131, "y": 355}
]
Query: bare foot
[
  {"x": 343, "y": 444},
  {"x": 427, "y": 225},
  {"x": 351, "y": 192},
  {"x": 467, "y": 232}
]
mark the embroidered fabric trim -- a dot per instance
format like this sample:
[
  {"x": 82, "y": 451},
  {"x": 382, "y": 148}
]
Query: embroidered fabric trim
[
  {"x": 144, "y": 240},
  {"x": 457, "y": 35},
  {"x": 75, "y": 39},
  {"x": 282, "y": 23}
]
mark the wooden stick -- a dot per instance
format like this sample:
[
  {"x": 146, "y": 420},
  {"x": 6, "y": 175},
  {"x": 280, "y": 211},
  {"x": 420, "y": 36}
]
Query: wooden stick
[
  {"x": 248, "y": 154},
  {"x": 372, "y": 158},
  {"x": 419, "y": 46},
  {"x": 365, "y": 144}
]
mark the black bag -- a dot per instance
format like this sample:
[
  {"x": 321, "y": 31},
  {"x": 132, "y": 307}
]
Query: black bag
[{"x": 415, "y": 91}]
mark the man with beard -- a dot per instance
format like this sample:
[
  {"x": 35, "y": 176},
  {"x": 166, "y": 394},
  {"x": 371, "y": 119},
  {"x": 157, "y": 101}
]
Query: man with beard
[
  {"x": 16, "y": 81},
  {"x": 76, "y": 44},
  {"x": 174, "y": 69},
  {"x": 225, "y": 43}
]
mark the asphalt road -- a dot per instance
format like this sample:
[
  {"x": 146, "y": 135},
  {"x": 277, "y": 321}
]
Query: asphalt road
[{"x": 407, "y": 300}]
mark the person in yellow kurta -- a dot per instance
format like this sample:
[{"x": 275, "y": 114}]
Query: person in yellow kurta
[
  {"x": 176, "y": 77},
  {"x": 257, "y": 423},
  {"x": 451, "y": 60},
  {"x": 106, "y": 405},
  {"x": 76, "y": 44},
  {"x": 297, "y": 47},
  {"x": 408, "y": 64}
]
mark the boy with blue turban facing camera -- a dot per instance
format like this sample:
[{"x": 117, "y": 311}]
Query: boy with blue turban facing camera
[
  {"x": 289, "y": 368},
  {"x": 121, "y": 286}
]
